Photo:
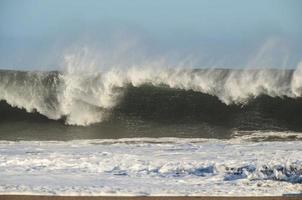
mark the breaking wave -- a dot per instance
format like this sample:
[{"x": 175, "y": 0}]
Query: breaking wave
[{"x": 84, "y": 98}]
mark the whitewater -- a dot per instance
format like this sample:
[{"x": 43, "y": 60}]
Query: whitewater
[{"x": 150, "y": 166}]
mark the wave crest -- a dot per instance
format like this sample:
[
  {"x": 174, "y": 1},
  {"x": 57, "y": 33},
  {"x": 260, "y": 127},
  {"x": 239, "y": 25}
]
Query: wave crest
[{"x": 84, "y": 98}]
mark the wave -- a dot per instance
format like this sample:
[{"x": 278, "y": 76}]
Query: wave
[{"x": 84, "y": 98}]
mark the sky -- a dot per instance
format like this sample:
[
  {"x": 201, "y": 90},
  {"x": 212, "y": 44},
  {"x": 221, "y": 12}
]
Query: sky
[{"x": 36, "y": 34}]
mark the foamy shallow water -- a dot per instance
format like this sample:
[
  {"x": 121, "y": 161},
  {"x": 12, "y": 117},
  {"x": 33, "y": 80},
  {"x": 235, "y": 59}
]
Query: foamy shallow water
[{"x": 146, "y": 166}]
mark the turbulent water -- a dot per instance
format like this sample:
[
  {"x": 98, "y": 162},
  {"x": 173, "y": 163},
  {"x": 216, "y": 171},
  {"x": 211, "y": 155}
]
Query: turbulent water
[
  {"x": 145, "y": 166},
  {"x": 188, "y": 132}
]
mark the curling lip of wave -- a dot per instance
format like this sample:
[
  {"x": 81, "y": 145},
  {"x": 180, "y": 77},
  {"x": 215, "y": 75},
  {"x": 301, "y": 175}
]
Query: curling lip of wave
[{"x": 87, "y": 98}]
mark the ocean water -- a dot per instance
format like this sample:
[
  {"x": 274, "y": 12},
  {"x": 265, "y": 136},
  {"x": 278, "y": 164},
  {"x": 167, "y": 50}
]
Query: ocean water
[{"x": 151, "y": 132}]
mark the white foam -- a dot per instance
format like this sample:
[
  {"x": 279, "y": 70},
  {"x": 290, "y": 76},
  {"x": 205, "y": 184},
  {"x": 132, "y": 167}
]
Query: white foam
[
  {"x": 265, "y": 135},
  {"x": 162, "y": 166}
]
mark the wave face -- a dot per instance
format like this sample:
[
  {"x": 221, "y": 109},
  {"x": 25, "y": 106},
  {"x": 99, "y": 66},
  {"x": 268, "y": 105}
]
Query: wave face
[{"x": 247, "y": 99}]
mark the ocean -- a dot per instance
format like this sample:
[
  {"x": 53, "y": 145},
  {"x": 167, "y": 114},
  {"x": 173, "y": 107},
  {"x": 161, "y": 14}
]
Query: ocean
[{"x": 151, "y": 132}]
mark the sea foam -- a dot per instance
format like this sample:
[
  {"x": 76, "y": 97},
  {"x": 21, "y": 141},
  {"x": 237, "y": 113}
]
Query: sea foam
[{"x": 147, "y": 166}]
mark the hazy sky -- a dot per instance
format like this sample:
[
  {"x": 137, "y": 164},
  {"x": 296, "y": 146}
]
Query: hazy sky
[{"x": 36, "y": 34}]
